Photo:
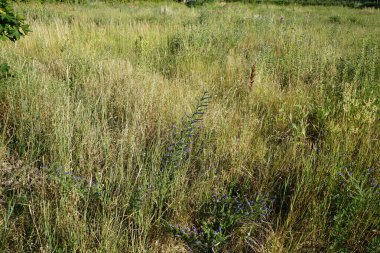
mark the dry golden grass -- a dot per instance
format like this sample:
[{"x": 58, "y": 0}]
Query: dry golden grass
[{"x": 97, "y": 89}]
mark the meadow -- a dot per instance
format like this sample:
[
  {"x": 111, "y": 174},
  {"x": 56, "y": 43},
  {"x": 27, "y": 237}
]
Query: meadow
[{"x": 154, "y": 127}]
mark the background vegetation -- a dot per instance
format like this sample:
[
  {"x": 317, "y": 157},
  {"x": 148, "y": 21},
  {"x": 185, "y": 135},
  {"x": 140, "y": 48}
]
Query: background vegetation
[
  {"x": 281, "y": 154},
  {"x": 350, "y": 3}
]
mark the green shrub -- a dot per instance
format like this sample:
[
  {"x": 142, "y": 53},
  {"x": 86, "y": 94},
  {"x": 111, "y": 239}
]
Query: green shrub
[
  {"x": 12, "y": 27},
  {"x": 4, "y": 70}
]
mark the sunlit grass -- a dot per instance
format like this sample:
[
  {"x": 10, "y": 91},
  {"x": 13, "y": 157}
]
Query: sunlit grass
[{"x": 96, "y": 90}]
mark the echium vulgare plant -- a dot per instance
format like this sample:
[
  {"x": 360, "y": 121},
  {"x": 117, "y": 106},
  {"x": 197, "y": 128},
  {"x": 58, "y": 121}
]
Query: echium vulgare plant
[
  {"x": 69, "y": 181},
  {"x": 218, "y": 219},
  {"x": 179, "y": 150},
  {"x": 356, "y": 199}
]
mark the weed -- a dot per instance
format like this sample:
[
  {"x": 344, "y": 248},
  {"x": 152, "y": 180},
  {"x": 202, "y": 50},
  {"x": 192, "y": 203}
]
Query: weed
[{"x": 357, "y": 199}]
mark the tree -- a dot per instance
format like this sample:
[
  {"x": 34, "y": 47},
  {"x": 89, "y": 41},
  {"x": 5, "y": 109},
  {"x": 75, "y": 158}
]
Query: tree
[{"x": 12, "y": 27}]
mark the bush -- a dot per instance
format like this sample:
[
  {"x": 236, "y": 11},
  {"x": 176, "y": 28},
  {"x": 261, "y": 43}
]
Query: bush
[
  {"x": 12, "y": 27},
  {"x": 4, "y": 70}
]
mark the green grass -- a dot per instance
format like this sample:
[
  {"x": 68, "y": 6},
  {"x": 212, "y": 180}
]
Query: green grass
[{"x": 96, "y": 89}]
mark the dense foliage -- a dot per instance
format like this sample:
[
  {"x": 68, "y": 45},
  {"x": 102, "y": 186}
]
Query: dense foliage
[
  {"x": 12, "y": 27},
  {"x": 351, "y": 3},
  {"x": 193, "y": 3}
]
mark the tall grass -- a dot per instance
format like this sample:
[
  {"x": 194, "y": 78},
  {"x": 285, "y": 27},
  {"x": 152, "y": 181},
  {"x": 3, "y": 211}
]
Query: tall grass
[{"x": 95, "y": 90}]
